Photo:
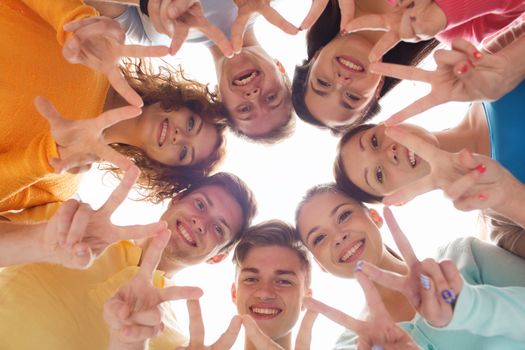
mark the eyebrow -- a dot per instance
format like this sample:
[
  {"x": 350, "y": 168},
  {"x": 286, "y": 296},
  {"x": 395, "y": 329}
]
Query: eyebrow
[
  {"x": 324, "y": 94},
  {"x": 277, "y": 272},
  {"x": 210, "y": 203},
  {"x": 366, "y": 169},
  {"x": 331, "y": 214},
  {"x": 192, "y": 155}
]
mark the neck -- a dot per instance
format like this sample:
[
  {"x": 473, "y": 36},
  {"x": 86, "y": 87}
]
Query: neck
[
  {"x": 284, "y": 342},
  {"x": 471, "y": 133}
]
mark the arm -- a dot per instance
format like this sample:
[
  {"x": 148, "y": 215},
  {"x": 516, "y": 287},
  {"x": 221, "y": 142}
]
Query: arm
[
  {"x": 505, "y": 233},
  {"x": 112, "y": 8},
  {"x": 19, "y": 243}
]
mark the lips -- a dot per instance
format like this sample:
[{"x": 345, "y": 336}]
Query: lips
[
  {"x": 353, "y": 251},
  {"x": 186, "y": 234},
  {"x": 350, "y": 64},
  {"x": 264, "y": 311},
  {"x": 412, "y": 158},
  {"x": 163, "y": 132},
  {"x": 245, "y": 77}
]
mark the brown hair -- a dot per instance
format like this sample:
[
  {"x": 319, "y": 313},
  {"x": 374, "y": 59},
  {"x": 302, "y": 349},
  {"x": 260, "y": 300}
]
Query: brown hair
[
  {"x": 342, "y": 179},
  {"x": 172, "y": 90},
  {"x": 270, "y": 233},
  {"x": 238, "y": 190}
]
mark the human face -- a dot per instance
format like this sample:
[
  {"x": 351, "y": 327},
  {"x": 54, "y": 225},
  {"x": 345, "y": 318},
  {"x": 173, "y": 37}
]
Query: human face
[
  {"x": 253, "y": 90},
  {"x": 339, "y": 232},
  {"x": 340, "y": 85},
  {"x": 378, "y": 165},
  {"x": 178, "y": 138},
  {"x": 270, "y": 286},
  {"x": 201, "y": 223}
]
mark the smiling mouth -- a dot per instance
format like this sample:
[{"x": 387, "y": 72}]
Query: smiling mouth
[
  {"x": 245, "y": 78},
  {"x": 163, "y": 132},
  {"x": 412, "y": 160},
  {"x": 354, "y": 252},
  {"x": 264, "y": 312},
  {"x": 185, "y": 234},
  {"x": 350, "y": 64}
]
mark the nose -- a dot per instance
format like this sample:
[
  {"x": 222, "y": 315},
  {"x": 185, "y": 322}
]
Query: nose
[
  {"x": 392, "y": 153},
  {"x": 343, "y": 79},
  {"x": 265, "y": 291},
  {"x": 198, "y": 225},
  {"x": 252, "y": 93},
  {"x": 179, "y": 136},
  {"x": 341, "y": 238}
]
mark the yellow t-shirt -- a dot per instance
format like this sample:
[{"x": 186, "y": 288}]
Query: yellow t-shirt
[{"x": 49, "y": 307}]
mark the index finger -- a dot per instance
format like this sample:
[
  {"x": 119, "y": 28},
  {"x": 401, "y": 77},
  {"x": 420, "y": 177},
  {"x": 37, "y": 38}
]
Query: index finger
[
  {"x": 399, "y": 237},
  {"x": 217, "y": 36},
  {"x": 257, "y": 336},
  {"x": 335, "y": 315},
  {"x": 227, "y": 339},
  {"x": 347, "y": 8},
  {"x": 122, "y": 87},
  {"x": 383, "y": 45},
  {"x": 410, "y": 191},
  {"x": 304, "y": 336},
  {"x": 313, "y": 14},
  {"x": 151, "y": 256},
  {"x": 47, "y": 110},
  {"x": 237, "y": 32},
  {"x": 373, "y": 299},
  {"x": 419, "y": 106},
  {"x": 196, "y": 323},
  {"x": 400, "y": 71},
  {"x": 121, "y": 192},
  {"x": 367, "y": 22},
  {"x": 277, "y": 20}
]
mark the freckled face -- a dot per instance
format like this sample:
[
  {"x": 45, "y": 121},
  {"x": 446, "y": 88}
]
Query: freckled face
[
  {"x": 270, "y": 286},
  {"x": 339, "y": 232},
  {"x": 179, "y": 137},
  {"x": 378, "y": 165}
]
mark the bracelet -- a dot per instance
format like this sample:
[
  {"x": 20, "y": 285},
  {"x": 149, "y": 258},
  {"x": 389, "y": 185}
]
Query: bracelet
[{"x": 144, "y": 7}]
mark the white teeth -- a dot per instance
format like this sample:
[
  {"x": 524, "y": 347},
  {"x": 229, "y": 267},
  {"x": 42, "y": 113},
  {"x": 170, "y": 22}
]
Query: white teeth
[
  {"x": 247, "y": 80},
  {"x": 350, "y": 65},
  {"x": 412, "y": 158},
  {"x": 185, "y": 234},
  {"x": 265, "y": 311},
  {"x": 162, "y": 137},
  {"x": 351, "y": 251}
]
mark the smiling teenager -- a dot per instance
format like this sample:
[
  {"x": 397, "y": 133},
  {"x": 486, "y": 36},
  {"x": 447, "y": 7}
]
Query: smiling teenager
[
  {"x": 205, "y": 222},
  {"x": 466, "y": 302},
  {"x": 191, "y": 147},
  {"x": 272, "y": 275}
]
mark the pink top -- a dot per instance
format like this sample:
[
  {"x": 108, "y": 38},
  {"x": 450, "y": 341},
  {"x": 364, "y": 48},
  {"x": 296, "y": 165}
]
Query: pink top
[{"x": 475, "y": 20}]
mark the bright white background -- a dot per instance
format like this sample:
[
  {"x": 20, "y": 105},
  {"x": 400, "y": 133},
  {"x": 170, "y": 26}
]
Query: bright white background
[{"x": 279, "y": 175}]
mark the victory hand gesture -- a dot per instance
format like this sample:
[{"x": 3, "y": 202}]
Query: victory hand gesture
[
  {"x": 98, "y": 43},
  {"x": 81, "y": 142},
  {"x": 347, "y": 8},
  {"x": 378, "y": 329},
  {"x": 431, "y": 287},
  {"x": 77, "y": 234},
  {"x": 133, "y": 314},
  {"x": 262, "y": 342},
  {"x": 412, "y": 21},
  {"x": 226, "y": 340},
  {"x": 249, "y": 7}
]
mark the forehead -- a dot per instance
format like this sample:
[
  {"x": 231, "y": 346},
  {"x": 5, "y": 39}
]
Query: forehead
[
  {"x": 356, "y": 160},
  {"x": 271, "y": 259},
  {"x": 327, "y": 109},
  {"x": 319, "y": 208},
  {"x": 206, "y": 141}
]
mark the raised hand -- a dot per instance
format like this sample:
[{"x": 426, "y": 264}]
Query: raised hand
[
  {"x": 133, "y": 314},
  {"x": 262, "y": 342},
  {"x": 378, "y": 329},
  {"x": 462, "y": 74},
  {"x": 412, "y": 20},
  {"x": 98, "y": 43},
  {"x": 225, "y": 341},
  {"x": 77, "y": 234},
  {"x": 192, "y": 17},
  {"x": 347, "y": 8},
  {"x": 245, "y": 10},
  {"x": 430, "y": 287},
  {"x": 445, "y": 167},
  {"x": 81, "y": 142}
]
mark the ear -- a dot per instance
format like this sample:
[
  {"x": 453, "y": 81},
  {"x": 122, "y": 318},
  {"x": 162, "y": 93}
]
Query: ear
[
  {"x": 279, "y": 65},
  {"x": 309, "y": 294},
  {"x": 376, "y": 218},
  {"x": 234, "y": 293},
  {"x": 217, "y": 258}
]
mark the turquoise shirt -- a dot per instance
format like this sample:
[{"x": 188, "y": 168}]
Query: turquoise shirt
[
  {"x": 506, "y": 121},
  {"x": 490, "y": 310}
]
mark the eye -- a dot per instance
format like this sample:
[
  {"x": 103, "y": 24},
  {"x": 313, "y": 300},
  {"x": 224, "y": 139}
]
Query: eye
[
  {"x": 250, "y": 280},
  {"x": 270, "y": 97},
  {"x": 318, "y": 239},
  {"x": 183, "y": 153},
  {"x": 191, "y": 123},
  {"x": 379, "y": 175},
  {"x": 244, "y": 108},
  {"x": 343, "y": 216},
  {"x": 323, "y": 83},
  {"x": 374, "y": 142},
  {"x": 284, "y": 282},
  {"x": 218, "y": 230},
  {"x": 352, "y": 96},
  {"x": 200, "y": 205}
]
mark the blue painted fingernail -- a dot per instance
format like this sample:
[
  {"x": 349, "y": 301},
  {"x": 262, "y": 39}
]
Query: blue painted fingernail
[
  {"x": 425, "y": 281},
  {"x": 377, "y": 347},
  {"x": 448, "y": 296},
  {"x": 358, "y": 266}
]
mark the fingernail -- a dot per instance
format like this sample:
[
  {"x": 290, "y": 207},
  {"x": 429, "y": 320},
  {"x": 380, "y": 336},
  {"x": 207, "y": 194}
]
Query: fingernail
[
  {"x": 171, "y": 29},
  {"x": 482, "y": 197},
  {"x": 81, "y": 252},
  {"x": 392, "y": 2},
  {"x": 477, "y": 55},
  {"x": 425, "y": 281},
  {"x": 400, "y": 204},
  {"x": 463, "y": 69},
  {"x": 358, "y": 266},
  {"x": 481, "y": 168},
  {"x": 448, "y": 296},
  {"x": 377, "y": 347}
]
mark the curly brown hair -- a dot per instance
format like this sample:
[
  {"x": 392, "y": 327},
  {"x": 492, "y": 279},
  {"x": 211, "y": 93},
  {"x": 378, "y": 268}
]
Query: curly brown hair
[{"x": 169, "y": 87}]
